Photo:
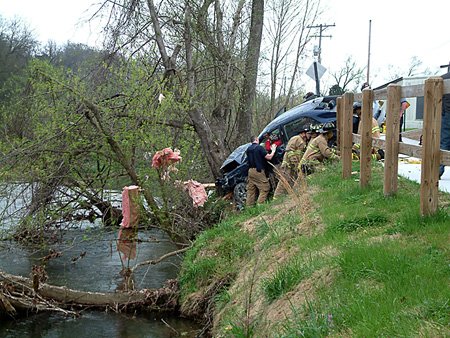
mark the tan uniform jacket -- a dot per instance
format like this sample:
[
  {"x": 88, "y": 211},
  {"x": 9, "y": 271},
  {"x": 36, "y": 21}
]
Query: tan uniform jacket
[
  {"x": 375, "y": 129},
  {"x": 318, "y": 150},
  {"x": 296, "y": 143},
  {"x": 294, "y": 151}
]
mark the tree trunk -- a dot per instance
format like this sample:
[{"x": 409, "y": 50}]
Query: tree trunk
[
  {"x": 95, "y": 119},
  {"x": 244, "y": 120},
  {"x": 18, "y": 293},
  {"x": 212, "y": 147}
]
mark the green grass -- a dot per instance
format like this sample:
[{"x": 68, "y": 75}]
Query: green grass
[
  {"x": 307, "y": 323},
  {"x": 391, "y": 287},
  {"x": 277, "y": 232},
  {"x": 388, "y": 287},
  {"x": 289, "y": 275},
  {"x": 354, "y": 223},
  {"x": 384, "y": 289},
  {"x": 389, "y": 266},
  {"x": 286, "y": 277},
  {"x": 215, "y": 255}
]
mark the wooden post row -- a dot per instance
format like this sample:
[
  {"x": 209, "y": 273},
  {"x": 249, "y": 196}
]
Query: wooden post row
[
  {"x": 392, "y": 139},
  {"x": 365, "y": 157},
  {"x": 346, "y": 139},
  {"x": 433, "y": 92}
]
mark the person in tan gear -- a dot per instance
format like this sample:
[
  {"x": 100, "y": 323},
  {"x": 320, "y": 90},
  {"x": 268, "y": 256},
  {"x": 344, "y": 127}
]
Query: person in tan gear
[
  {"x": 318, "y": 150},
  {"x": 376, "y": 133},
  {"x": 291, "y": 159},
  {"x": 258, "y": 183},
  {"x": 377, "y": 153}
]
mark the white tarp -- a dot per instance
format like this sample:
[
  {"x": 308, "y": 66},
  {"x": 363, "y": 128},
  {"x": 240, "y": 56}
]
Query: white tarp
[{"x": 410, "y": 168}]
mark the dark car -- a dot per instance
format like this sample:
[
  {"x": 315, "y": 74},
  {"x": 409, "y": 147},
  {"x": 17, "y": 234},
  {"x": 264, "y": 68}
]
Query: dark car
[{"x": 235, "y": 168}]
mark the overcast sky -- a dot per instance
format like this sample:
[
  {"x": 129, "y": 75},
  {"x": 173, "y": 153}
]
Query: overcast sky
[
  {"x": 400, "y": 30},
  {"x": 57, "y": 20}
]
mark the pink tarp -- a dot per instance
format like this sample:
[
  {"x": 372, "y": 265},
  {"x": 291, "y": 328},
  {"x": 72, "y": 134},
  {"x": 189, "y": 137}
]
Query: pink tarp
[
  {"x": 197, "y": 192},
  {"x": 130, "y": 206},
  {"x": 166, "y": 157}
]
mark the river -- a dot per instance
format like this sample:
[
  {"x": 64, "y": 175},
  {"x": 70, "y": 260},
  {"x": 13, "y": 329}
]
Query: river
[{"x": 88, "y": 259}]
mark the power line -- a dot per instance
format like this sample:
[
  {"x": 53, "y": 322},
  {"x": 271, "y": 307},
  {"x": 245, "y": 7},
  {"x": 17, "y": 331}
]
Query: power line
[{"x": 320, "y": 36}]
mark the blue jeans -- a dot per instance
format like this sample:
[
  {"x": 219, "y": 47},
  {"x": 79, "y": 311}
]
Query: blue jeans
[{"x": 445, "y": 136}]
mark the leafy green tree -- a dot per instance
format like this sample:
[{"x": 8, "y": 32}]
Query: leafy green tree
[{"x": 91, "y": 134}]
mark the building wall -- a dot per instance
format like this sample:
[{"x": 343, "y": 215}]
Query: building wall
[{"x": 414, "y": 114}]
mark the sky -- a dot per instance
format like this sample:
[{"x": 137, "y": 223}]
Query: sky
[
  {"x": 56, "y": 20},
  {"x": 400, "y": 30}
]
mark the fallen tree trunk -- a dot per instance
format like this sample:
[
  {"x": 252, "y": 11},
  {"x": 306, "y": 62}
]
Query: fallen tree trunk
[{"x": 18, "y": 293}]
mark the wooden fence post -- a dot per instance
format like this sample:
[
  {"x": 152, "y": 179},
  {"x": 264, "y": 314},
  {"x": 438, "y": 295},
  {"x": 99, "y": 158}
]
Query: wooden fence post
[
  {"x": 365, "y": 157},
  {"x": 433, "y": 92},
  {"x": 347, "y": 126},
  {"x": 339, "y": 106},
  {"x": 392, "y": 139}
]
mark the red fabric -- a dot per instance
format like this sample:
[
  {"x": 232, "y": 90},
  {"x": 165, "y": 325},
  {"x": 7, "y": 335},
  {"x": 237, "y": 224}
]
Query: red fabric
[
  {"x": 166, "y": 157},
  {"x": 268, "y": 143},
  {"x": 125, "y": 209},
  {"x": 197, "y": 192},
  {"x": 130, "y": 206}
]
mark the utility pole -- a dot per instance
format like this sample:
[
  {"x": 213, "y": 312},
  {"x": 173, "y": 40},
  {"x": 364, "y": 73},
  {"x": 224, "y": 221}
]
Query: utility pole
[{"x": 320, "y": 36}]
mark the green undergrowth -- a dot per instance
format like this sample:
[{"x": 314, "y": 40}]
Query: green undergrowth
[
  {"x": 216, "y": 252},
  {"x": 287, "y": 276},
  {"x": 375, "y": 268}
]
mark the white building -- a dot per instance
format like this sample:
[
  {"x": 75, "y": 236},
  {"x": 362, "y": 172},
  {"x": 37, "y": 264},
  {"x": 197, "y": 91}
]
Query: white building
[{"x": 413, "y": 118}]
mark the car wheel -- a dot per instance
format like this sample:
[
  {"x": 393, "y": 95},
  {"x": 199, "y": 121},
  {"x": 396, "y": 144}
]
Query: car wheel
[{"x": 240, "y": 195}]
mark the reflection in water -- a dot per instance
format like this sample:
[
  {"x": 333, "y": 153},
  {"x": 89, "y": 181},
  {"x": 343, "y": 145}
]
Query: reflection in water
[
  {"x": 97, "y": 267},
  {"x": 126, "y": 243},
  {"x": 90, "y": 261}
]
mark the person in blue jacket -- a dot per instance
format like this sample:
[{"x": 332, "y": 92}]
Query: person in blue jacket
[{"x": 445, "y": 124}]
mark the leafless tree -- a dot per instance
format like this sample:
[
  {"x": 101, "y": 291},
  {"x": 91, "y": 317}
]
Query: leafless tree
[
  {"x": 347, "y": 74},
  {"x": 250, "y": 73},
  {"x": 288, "y": 36},
  {"x": 414, "y": 68},
  {"x": 207, "y": 54},
  {"x": 279, "y": 30},
  {"x": 17, "y": 45}
]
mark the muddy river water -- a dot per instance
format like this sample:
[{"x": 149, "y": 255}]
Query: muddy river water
[{"x": 91, "y": 260}]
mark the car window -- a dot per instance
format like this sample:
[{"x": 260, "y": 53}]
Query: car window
[{"x": 294, "y": 127}]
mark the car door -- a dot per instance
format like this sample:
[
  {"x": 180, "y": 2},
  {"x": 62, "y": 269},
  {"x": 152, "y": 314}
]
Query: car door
[{"x": 294, "y": 127}]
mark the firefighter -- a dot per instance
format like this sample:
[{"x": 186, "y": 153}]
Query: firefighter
[
  {"x": 377, "y": 153},
  {"x": 291, "y": 160},
  {"x": 357, "y": 112},
  {"x": 258, "y": 184},
  {"x": 318, "y": 150}
]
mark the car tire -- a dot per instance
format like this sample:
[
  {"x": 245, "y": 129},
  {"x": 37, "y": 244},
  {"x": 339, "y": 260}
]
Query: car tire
[{"x": 240, "y": 195}]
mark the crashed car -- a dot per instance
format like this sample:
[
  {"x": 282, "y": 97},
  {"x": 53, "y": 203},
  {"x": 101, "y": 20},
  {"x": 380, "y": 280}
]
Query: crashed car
[{"x": 235, "y": 168}]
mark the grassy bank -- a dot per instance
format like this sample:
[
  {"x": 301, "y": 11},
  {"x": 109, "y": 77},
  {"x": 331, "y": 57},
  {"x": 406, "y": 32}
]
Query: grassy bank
[{"x": 330, "y": 259}]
